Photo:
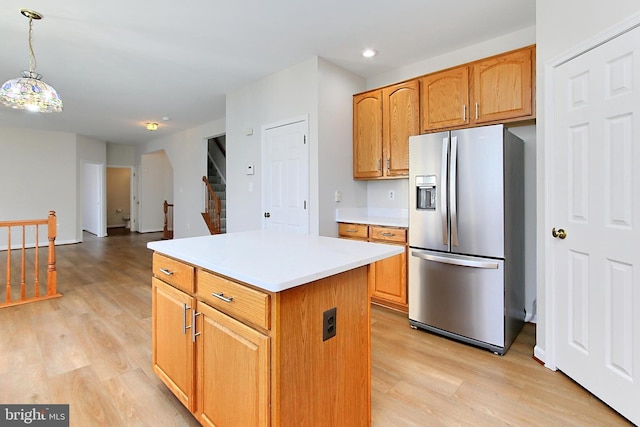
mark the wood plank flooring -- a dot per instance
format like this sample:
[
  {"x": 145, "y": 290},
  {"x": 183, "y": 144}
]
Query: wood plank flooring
[{"x": 92, "y": 349}]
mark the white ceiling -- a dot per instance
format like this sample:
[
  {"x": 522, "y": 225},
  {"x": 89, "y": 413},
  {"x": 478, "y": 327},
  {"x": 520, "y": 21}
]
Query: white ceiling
[{"x": 120, "y": 63}]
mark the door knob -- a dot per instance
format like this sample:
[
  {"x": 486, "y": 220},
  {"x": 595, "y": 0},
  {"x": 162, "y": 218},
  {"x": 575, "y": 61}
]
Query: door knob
[
  {"x": 560, "y": 233},
  {"x": 267, "y": 215}
]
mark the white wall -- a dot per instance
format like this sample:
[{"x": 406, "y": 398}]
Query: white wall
[
  {"x": 322, "y": 91},
  {"x": 560, "y": 27},
  {"x": 121, "y": 155},
  {"x": 91, "y": 151},
  {"x": 335, "y": 145},
  {"x": 287, "y": 94},
  {"x": 37, "y": 174},
  {"x": 187, "y": 153}
]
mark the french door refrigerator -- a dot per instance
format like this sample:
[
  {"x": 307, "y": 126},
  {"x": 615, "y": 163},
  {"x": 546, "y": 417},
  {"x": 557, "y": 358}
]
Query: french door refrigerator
[{"x": 466, "y": 235}]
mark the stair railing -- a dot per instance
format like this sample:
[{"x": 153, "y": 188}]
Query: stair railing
[
  {"x": 212, "y": 207},
  {"x": 167, "y": 229},
  {"x": 30, "y": 292}
]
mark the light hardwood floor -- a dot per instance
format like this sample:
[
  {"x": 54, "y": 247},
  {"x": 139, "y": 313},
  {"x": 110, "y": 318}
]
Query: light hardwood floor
[{"x": 92, "y": 349}]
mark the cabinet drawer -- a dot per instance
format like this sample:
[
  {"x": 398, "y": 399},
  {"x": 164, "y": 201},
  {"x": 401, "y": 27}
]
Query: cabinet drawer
[
  {"x": 358, "y": 231},
  {"x": 392, "y": 235},
  {"x": 239, "y": 301},
  {"x": 174, "y": 272}
]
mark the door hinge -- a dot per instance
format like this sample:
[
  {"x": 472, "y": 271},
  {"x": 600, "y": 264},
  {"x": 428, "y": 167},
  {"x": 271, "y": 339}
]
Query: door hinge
[
  {"x": 305, "y": 204},
  {"x": 305, "y": 139}
]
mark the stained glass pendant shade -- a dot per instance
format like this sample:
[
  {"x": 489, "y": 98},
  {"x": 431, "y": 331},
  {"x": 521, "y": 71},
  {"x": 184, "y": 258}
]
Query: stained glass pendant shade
[{"x": 29, "y": 92}]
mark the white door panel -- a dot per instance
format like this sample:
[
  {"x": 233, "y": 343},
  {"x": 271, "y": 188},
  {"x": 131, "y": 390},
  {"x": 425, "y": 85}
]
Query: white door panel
[
  {"x": 597, "y": 201},
  {"x": 286, "y": 177}
]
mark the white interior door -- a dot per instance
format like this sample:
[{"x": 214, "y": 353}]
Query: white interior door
[
  {"x": 596, "y": 201},
  {"x": 285, "y": 160}
]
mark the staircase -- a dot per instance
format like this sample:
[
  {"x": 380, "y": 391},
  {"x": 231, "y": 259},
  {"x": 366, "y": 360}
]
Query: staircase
[{"x": 220, "y": 190}]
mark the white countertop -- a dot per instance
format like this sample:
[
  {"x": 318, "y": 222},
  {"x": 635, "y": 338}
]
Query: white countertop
[
  {"x": 374, "y": 216},
  {"x": 274, "y": 260}
]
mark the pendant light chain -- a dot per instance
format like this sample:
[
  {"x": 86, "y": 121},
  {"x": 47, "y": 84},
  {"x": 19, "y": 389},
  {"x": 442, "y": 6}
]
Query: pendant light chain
[{"x": 32, "y": 55}]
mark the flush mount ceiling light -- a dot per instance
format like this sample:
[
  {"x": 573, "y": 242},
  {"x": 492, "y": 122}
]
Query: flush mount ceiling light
[
  {"x": 369, "y": 53},
  {"x": 29, "y": 92},
  {"x": 151, "y": 126}
]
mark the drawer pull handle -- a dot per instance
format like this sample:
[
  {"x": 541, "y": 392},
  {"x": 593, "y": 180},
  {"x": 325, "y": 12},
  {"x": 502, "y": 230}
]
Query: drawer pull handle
[
  {"x": 185, "y": 307},
  {"x": 194, "y": 334},
  {"x": 222, "y": 297},
  {"x": 387, "y": 234},
  {"x": 167, "y": 272},
  {"x": 351, "y": 231}
]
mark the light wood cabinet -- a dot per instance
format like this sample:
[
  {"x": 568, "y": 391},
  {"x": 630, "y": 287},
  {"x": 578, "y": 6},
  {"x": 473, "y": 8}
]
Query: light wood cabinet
[
  {"x": 387, "y": 278},
  {"x": 502, "y": 87},
  {"x": 498, "y": 89},
  {"x": 400, "y": 120},
  {"x": 383, "y": 120},
  {"x": 444, "y": 99},
  {"x": 367, "y": 135},
  {"x": 233, "y": 371},
  {"x": 236, "y": 355},
  {"x": 172, "y": 346}
]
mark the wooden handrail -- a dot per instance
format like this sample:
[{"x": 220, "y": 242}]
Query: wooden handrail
[
  {"x": 213, "y": 207},
  {"x": 167, "y": 233},
  {"x": 26, "y": 254}
]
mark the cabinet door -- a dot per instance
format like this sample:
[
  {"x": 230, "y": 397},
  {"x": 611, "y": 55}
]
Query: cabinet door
[
  {"x": 367, "y": 135},
  {"x": 401, "y": 119},
  {"x": 389, "y": 285},
  {"x": 502, "y": 87},
  {"x": 172, "y": 346},
  {"x": 233, "y": 372},
  {"x": 444, "y": 99}
]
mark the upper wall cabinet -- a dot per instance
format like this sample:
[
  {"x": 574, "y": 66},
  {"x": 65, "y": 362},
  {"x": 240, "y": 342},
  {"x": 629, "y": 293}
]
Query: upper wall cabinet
[
  {"x": 501, "y": 87},
  {"x": 383, "y": 121},
  {"x": 444, "y": 99},
  {"x": 367, "y": 135},
  {"x": 498, "y": 89}
]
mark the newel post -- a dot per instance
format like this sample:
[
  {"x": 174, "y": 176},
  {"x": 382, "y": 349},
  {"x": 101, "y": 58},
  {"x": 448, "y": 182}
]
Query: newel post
[{"x": 51, "y": 264}]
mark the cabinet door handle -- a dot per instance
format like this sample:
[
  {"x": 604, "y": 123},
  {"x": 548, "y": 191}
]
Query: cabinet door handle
[
  {"x": 476, "y": 111},
  {"x": 387, "y": 234},
  {"x": 194, "y": 334},
  {"x": 464, "y": 113},
  {"x": 185, "y": 307},
  {"x": 167, "y": 272},
  {"x": 379, "y": 162},
  {"x": 222, "y": 297},
  {"x": 388, "y": 163}
]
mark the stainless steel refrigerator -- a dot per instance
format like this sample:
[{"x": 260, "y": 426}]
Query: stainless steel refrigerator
[{"x": 466, "y": 235}]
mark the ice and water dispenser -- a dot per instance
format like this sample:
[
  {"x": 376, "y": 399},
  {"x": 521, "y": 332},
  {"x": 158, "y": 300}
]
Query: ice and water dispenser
[{"x": 426, "y": 192}]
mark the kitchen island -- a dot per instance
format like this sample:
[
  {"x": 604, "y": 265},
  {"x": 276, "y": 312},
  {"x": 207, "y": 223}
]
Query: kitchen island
[{"x": 265, "y": 328}]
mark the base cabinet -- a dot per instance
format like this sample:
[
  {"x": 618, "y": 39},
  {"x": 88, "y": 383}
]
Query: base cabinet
[
  {"x": 238, "y": 356},
  {"x": 387, "y": 278},
  {"x": 172, "y": 352},
  {"x": 233, "y": 371}
]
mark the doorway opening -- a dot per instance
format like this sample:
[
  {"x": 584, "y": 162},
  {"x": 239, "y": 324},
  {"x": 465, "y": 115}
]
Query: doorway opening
[{"x": 118, "y": 200}]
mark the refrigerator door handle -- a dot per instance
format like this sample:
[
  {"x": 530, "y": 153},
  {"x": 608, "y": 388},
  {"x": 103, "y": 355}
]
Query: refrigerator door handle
[
  {"x": 455, "y": 261},
  {"x": 443, "y": 192},
  {"x": 453, "y": 184}
]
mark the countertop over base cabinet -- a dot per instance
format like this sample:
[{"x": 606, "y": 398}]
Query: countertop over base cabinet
[{"x": 383, "y": 120}]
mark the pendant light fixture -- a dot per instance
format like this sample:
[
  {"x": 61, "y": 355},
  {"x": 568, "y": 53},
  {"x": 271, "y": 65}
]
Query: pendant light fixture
[{"x": 29, "y": 92}]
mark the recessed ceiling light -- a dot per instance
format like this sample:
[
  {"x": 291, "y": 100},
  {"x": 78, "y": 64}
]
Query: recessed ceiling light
[
  {"x": 369, "y": 53},
  {"x": 151, "y": 126}
]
